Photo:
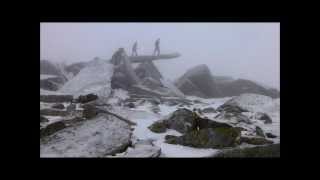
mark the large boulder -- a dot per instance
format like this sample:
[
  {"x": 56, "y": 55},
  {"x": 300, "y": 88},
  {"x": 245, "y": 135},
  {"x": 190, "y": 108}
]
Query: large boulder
[
  {"x": 272, "y": 150},
  {"x": 99, "y": 137},
  {"x": 259, "y": 132},
  {"x": 183, "y": 121},
  {"x": 208, "y": 138},
  {"x": 198, "y": 81},
  {"x": 270, "y": 135}
]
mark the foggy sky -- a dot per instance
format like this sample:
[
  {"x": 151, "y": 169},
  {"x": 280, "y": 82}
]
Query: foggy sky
[{"x": 240, "y": 50}]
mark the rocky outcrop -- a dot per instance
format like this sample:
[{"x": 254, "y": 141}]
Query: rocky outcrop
[
  {"x": 148, "y": 69},
  {"x": 267, "y": 151},
  {"x": 259, "y": 132},
  {"x": 198, "y": 81},
  {"x": 183, "y": 121}
]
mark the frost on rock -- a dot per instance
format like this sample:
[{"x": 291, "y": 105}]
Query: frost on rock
[
  {"x": 98, "y": 137},
  {"x": 95, "y": 78}
]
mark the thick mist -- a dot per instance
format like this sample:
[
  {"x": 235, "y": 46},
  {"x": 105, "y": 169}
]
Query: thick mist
[{"x": 240, "y": 50}]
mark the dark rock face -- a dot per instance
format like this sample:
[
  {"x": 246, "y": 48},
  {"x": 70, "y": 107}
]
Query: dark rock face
[
  {"x": 87, "y": 98},
  {"x": 270, "y": 135},
  {"x": 259, "y": 132},
  {"x": 52, "y": 128},
  {"x": 208, "y": 110},
  {"x": 56, "y": 98},
  {"x": 47, "y": 84},
  {"x": 264, "y": 117},
  {"x": 198, "y": 81},
  {"x": 272, "y": 150},
  {"x": 58, "y": 106},
  {"x": 240, "y": 86},
  {"x": 43, "y": 119},
  {"x": 207, "y": 138},
  {"x": 53, "y": 112},
  {"x": 255, "y": 140}
]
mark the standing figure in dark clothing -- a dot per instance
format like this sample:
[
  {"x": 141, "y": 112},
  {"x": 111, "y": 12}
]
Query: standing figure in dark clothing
[
  {"x": 134, "y": 49},
  {"x": 157, "y": 47}
]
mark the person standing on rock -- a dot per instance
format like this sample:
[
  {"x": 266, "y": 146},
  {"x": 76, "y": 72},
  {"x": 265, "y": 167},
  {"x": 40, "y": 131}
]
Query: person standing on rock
[
  {"x": 134, "y": 49},
  {"x": 157, "y": 47}
]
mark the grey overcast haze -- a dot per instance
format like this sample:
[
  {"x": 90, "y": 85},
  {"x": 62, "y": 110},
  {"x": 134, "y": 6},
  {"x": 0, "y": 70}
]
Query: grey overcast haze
[{"x": 240, "y": 50}]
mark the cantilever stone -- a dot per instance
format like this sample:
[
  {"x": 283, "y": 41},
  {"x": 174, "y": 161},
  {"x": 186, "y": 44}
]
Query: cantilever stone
[{"x": 139, "y": 59}]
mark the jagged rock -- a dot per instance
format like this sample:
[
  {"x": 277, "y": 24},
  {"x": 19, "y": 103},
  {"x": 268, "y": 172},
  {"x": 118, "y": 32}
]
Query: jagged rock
[
  {"x": 198, "y": 81},
  {"x": 270, "y": 135},
  {"x": 259, "y": 132},
  {"x": 272, "y": 150},
  {"x": 58, "y": 106},
  {"x": 208, "y": 110},
  {"x": 264, "y": 117},
  {"x": 56, "y": 98},
  {"x": 43, "y": 119},
  {"x": 52, "y": 128},
  {"x": 86, "y": 98},
  {"x": 207, "y": 138},
  {"x": 255, "y": 140},
  {"x": 53, "y": 112}
]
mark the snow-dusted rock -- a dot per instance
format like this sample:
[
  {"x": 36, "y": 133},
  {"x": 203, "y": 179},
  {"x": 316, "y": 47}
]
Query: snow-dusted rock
[
  {"x": 103, "y": 135},
  {"x": 94, "y": 78}
]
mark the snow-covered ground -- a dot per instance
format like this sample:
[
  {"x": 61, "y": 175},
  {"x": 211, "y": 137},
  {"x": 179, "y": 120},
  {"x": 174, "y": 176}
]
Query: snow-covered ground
[{"x": 144, "y": 117}]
